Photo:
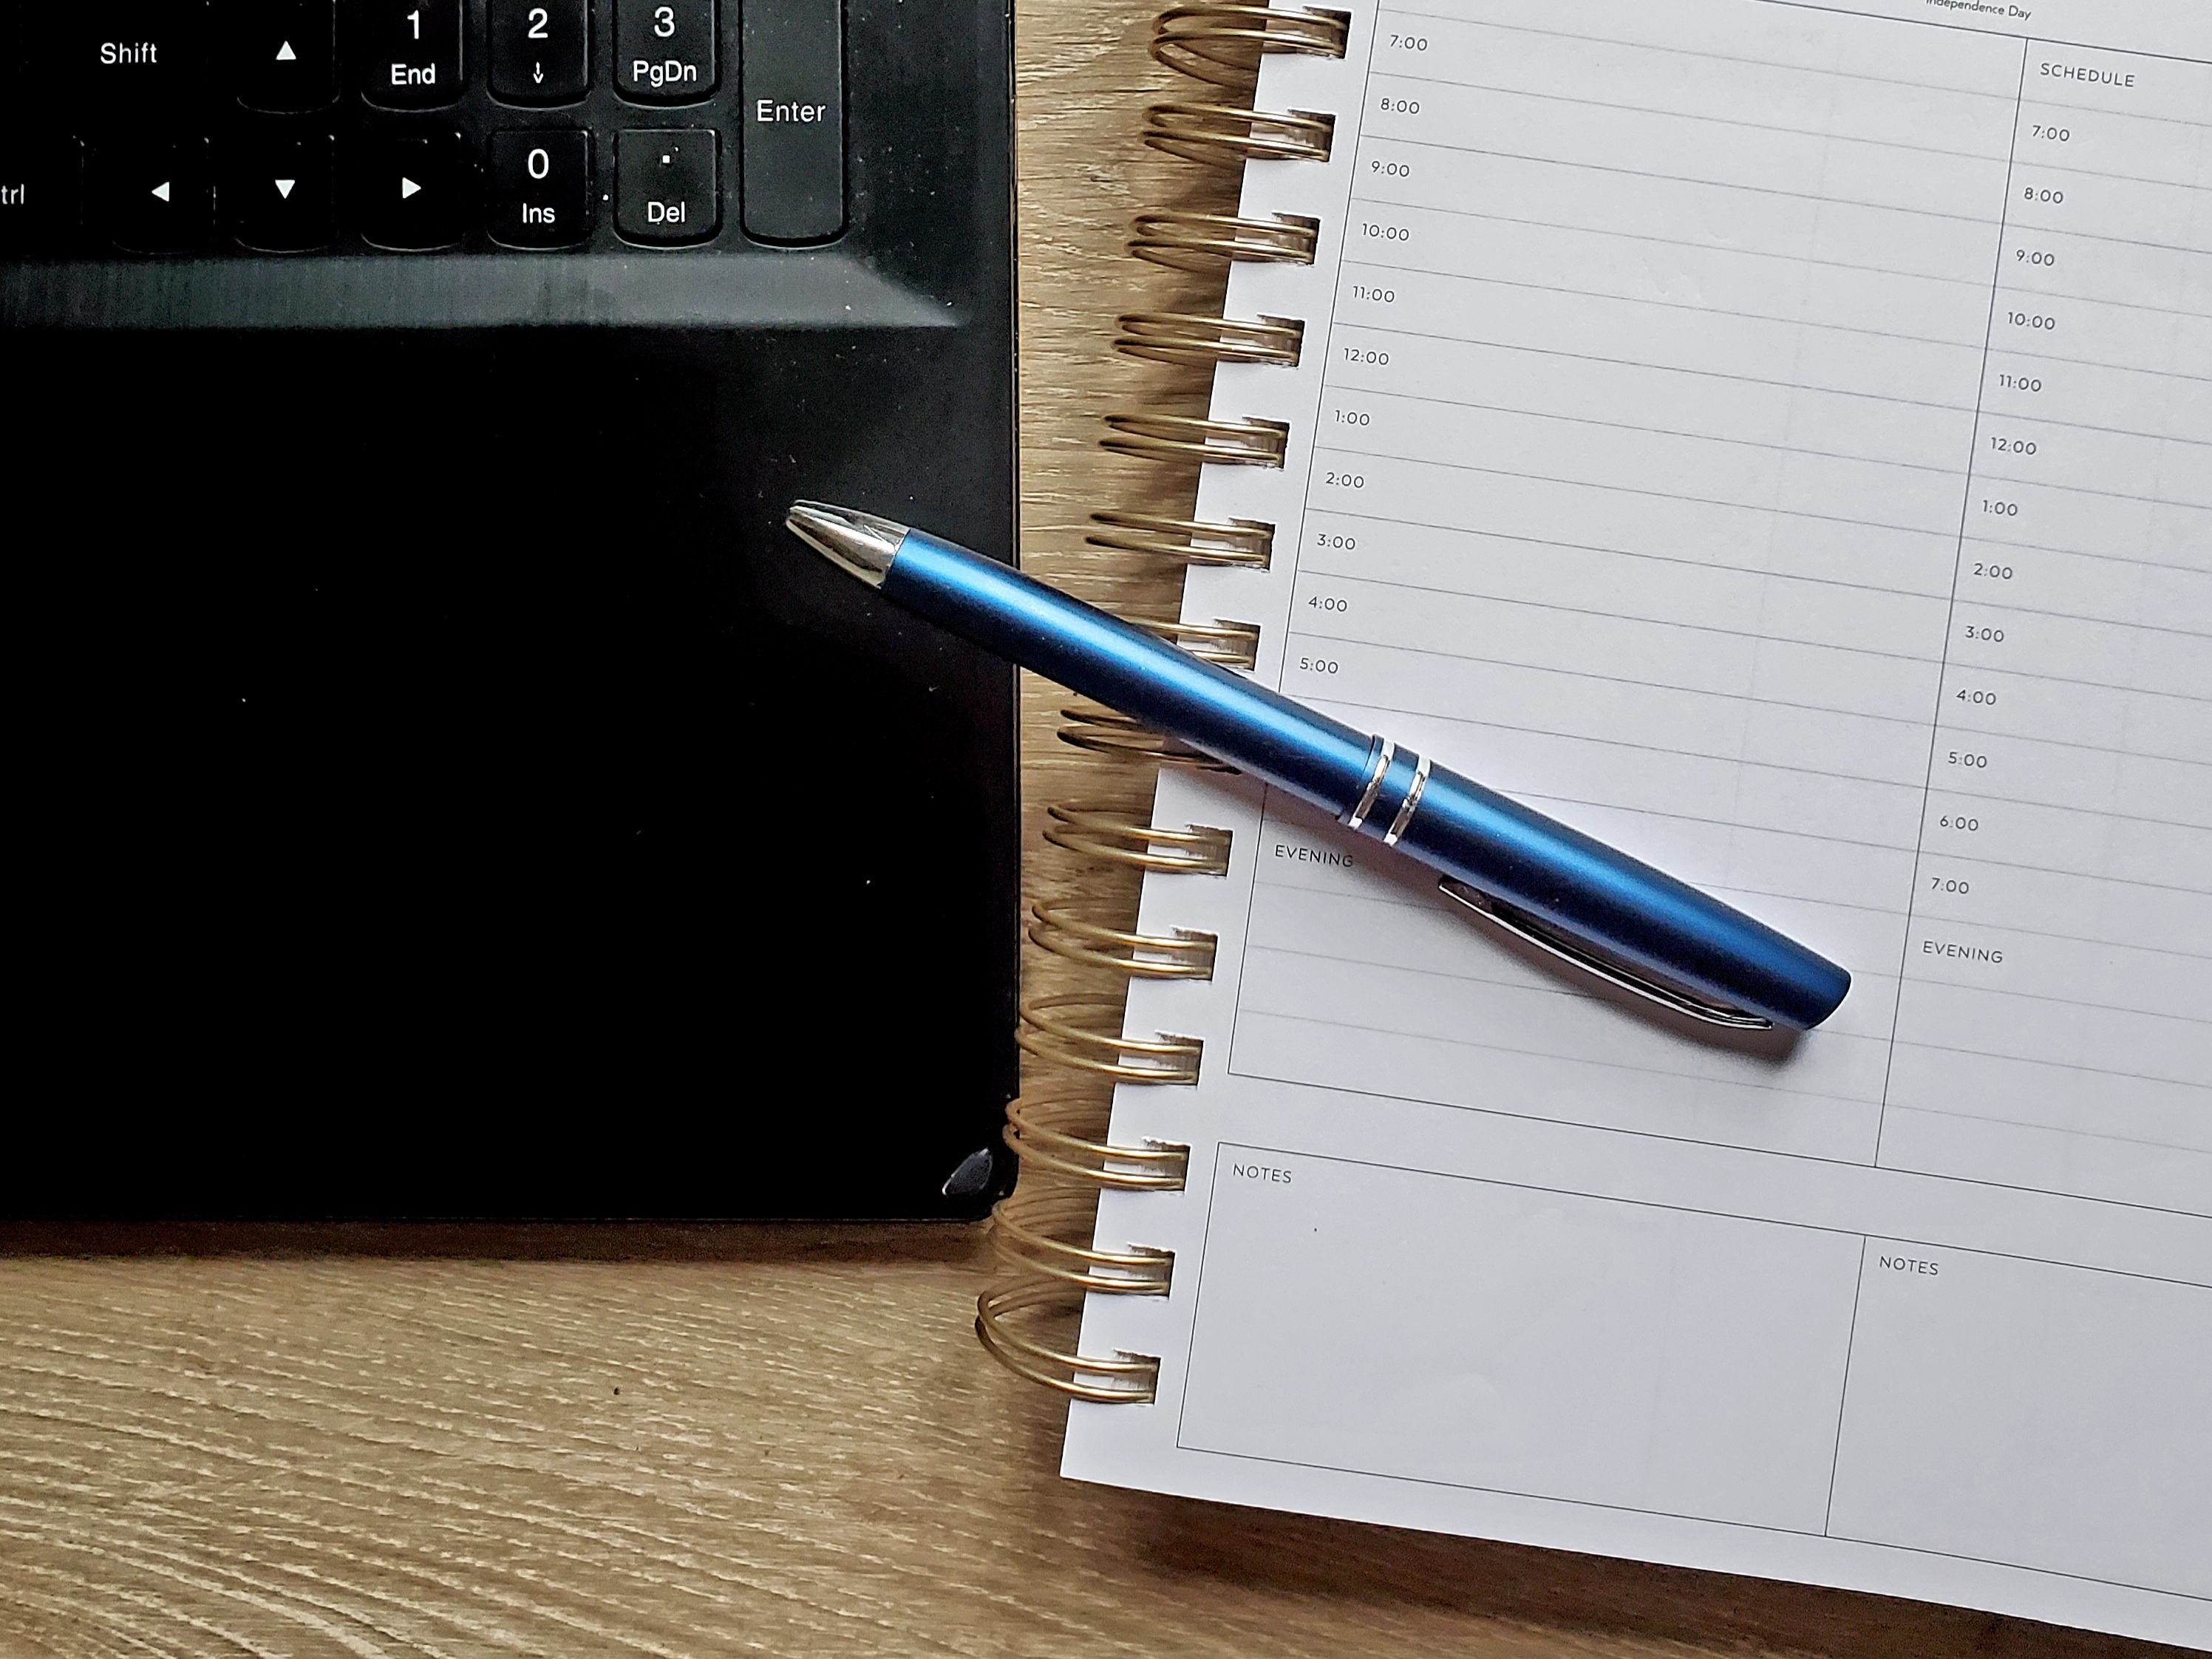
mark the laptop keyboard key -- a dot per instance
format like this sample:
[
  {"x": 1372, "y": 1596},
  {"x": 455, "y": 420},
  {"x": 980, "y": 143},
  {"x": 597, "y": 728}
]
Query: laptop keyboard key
[
  {"x": 283, "y": 53},
  {"x": 153, "y": 198},
  {"x": 410, "y": 192},
  {"x": 409, "y": 52},
  {"x": 541, "y": 188},
  {"x": 667, "y": 186},
  {"x": 792, "y": 102},
  {"x": 145, "y": 54},
  {"x": 279, "y": 195},
  {"x": 42, "y": 191},
  {"x": 664, "y": 51},
  {"x": 541, "y": 50}
]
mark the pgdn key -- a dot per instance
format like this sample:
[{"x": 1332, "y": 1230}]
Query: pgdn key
[{"x": 664, "y": 51}]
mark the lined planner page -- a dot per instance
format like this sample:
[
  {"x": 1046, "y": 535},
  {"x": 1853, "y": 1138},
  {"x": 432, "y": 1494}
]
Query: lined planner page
[{"x": 1775, "y": 439}]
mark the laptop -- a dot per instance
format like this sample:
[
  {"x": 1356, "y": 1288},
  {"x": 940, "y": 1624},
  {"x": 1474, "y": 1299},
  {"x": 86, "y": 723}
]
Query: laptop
[{"x": 447, "y": 790}]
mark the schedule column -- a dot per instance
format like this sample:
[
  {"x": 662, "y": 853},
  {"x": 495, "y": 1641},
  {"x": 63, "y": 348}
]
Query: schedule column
[{"x": 2068, "y": 830}]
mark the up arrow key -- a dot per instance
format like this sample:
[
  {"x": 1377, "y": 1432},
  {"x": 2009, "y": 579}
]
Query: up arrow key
[{"x": 286, "y": 55}]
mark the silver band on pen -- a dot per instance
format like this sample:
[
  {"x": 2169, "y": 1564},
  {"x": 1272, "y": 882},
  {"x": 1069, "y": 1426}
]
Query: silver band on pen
[
  {"x": 1412, "y": 800},
  {"x": 1378, "y": 767}
]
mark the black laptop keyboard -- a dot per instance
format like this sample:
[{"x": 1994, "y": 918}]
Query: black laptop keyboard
[{"x": 256, "y": 127}]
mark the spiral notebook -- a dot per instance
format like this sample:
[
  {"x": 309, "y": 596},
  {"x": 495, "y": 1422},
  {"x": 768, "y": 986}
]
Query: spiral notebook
[{"x": 1777, "y": 439}]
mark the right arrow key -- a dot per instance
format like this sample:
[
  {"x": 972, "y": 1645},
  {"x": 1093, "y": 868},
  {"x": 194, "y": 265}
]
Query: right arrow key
[{"x": 412, "y": 192}]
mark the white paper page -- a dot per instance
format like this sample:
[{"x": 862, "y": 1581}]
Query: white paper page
[{"x": 1777, "y": 440}]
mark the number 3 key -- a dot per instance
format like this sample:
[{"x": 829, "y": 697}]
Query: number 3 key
[{"x": 664, "y": 51}]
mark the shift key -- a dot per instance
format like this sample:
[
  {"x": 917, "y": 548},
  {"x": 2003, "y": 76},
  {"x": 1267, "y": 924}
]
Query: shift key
[{"x": 793, "y": 71}]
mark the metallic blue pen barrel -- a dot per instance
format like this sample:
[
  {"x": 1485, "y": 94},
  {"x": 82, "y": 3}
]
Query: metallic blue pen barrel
[{"x": 1562, "y": 878}]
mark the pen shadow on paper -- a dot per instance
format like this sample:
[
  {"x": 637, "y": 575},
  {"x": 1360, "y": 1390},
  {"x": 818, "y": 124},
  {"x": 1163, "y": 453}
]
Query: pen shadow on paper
[{"x": 1416, "y": 884}]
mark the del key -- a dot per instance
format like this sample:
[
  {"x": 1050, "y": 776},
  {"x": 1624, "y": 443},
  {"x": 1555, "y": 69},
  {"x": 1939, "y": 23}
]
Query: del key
[{"x": 664, "y": 51}]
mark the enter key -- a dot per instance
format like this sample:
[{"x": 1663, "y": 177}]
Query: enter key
[{"x": 794, "y": 76}]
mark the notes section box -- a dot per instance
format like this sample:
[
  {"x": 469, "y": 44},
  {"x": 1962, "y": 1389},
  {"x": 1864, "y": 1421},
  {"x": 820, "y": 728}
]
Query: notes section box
[
  {"x": 2031, "y": 1414},
  {"x": 1623, "y": 1354},
  {"x": 1395, "y": 1322}
]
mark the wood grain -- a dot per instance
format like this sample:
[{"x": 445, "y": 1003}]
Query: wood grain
[{"x": 677, "y": 1442}]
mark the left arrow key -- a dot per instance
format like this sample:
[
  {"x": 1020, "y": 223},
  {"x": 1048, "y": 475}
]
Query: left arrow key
[{"x": 152, "y": 197}]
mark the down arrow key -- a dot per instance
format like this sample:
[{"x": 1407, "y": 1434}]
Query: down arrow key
[
  {"x": 280, "y": 196},
  {"x": 541, "y": 50}
]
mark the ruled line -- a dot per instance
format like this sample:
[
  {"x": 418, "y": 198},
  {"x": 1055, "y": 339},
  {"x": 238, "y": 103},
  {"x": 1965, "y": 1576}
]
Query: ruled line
[
  {"x": 1338, "y": 951},
  {"x": 1310, "y": 568},
  {"x": 1811, "y": 197},
  {"x": 1814, "y": 900},
  {"x": 1700, "y": 55},
  {"x": 1727, "y": 311},
  {"x": 1816, "y": 135},
  {"x": 1753, "y": 569},
  {"x": 1980, "y": 797}
]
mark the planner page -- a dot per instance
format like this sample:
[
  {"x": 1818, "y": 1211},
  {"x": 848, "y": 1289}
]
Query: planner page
[{"x": 1776, "y": 440}]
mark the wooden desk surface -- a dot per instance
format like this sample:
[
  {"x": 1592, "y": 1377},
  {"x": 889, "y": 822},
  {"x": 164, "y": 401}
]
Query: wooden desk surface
[{"x": 677, "y": 1442}]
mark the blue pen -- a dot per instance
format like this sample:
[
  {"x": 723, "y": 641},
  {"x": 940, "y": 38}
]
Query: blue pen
[{"x": 1553, "y": 887}]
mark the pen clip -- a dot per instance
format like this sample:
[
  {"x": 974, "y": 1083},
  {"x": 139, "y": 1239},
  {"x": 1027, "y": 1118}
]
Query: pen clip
[{"x": 1526, "y": 928}]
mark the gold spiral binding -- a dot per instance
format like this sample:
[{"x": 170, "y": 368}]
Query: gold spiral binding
[
  {"x": 1071, "y": 1030},
  {"x": 1109, "y": 731},
  {"x": 1119, "y": 1379},
  {"x": 1187, "y": 438},
  {"x": 1223, "y": 136},
  {"x": 1182, "y": 954},
  {"x": 1100, "y": 831},
  {"x": 1175, "y": 336},
  {"x": 1042, "y": 1140},
  {"x": 1231, "y": 644},
  {"x": 1044, "y": 1234},
  {"x": 1040, "y": 1232},
  {"x": 1222, "y": 42},
  {"x": 1207, "y": 241},
  {"x": 1245, "y": 541}
]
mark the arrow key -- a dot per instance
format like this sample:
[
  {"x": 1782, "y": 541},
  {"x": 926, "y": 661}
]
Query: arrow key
[
  {"x": 412, "y": 192},
  {"x": 541, "y": 50},
  {"x": 283, "y": 53},
  {"x": 279, "y": 195},
  {"x": 153, "y": 198}
]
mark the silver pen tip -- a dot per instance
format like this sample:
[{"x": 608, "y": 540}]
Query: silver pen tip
[{"x": 860, "y": 543}]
